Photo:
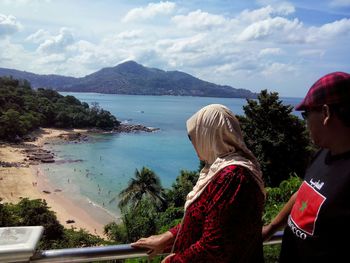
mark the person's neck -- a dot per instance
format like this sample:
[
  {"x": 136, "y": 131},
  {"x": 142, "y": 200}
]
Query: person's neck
[{"x": 340, "y": 143}]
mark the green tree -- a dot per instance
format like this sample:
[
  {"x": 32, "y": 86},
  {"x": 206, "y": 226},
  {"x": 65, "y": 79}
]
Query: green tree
[
  {"x": 106, "y": 120},
  {"x": 23, "y": 110},
  {"x": 145, "y": 184},
  {"x": 138, "y": 221},
  {"x": 182, "y": 186},
  {"x": 116, "y": 232},
  {"x": 35, "y": 213},
  {"x": 169, "y": 218},
  {"x": 50, "y": 94},
  {"x": 78, "y": 238},
  {"x": 7, "y": 217},
  {"x": 276, "y": 197},
  {"x": 277, "y": 137},
  {"x": 11, "y": 125}
]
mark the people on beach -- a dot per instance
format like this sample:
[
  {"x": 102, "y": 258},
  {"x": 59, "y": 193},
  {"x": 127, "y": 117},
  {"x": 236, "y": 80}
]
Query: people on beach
[
  {"x": 317, "y": 216},
  {"x": 223, "y": 212}
]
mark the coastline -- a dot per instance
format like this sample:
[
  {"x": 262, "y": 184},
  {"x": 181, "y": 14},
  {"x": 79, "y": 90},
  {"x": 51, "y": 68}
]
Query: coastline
[{"x": 25, "y": 179}]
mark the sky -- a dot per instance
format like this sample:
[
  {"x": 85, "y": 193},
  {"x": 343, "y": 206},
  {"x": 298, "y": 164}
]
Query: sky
[{"x": 281, "y": 46}]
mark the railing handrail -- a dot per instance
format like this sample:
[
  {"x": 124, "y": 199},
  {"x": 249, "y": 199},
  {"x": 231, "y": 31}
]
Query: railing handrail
[
  {"x": 275, "y": 239},
  {"x": 88, "y": 254}
]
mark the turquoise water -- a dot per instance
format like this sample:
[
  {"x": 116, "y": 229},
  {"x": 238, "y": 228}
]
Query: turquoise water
[{"x": 99, "y": 169}]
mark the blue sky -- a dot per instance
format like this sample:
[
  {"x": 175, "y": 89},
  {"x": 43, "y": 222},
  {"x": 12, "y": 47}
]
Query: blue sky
[{"x": 282, "y": 46}]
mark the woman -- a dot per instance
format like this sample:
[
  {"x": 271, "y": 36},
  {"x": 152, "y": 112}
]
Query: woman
[{"x": 222, "y": 219}]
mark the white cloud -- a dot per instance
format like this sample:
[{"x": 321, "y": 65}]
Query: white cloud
[
  {"x": 15, "y": 56},
  {"x": 255, "y": 15},
  {"x": 199, "y": 20},
  {"x": 319, "y": 53},
  {"x": 339, "y": 28},
  {"x": 278, "y": 68},
  {"x": 340, "y": 3},
  {"x": 266, "y": 12},
  {"x": 87, "y": 55},
  {"x": 245, "y": 50},
  {"x": 282, "y": 30},
  {"x": 150, "y": 11},
  {"x": 279, "y": 28},
  {"x": 8, "y": 25},
  {"x": 270, "y": 51},
  {"x": 127, "y": 35},
  {"x": 52, "y": 59},
  {"x": 38, "y": 37},
  {"x": 190, "y": 44},
  {"x": 284, "y": 9},
  {"x": 58, "y": 43}
]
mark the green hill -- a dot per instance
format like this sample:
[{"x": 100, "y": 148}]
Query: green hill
[{"x": 133, "y": 79}]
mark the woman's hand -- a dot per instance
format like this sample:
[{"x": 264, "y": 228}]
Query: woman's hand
[
  {"x": 267, "y": 232},
  {"x": 156, "y": 244}
]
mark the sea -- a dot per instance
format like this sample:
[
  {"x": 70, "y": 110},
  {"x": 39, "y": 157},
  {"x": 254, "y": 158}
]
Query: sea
[{"x": 97, "y": 170}]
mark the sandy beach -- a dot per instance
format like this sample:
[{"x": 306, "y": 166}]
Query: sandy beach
[{"x": 26, "y": 179}]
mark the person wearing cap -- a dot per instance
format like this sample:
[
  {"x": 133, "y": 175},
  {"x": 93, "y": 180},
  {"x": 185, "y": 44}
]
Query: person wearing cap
[
  {"x": 317, "y": 216},
  {"x": 223, "y": 212}
]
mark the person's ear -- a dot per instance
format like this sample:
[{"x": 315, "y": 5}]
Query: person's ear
[{"x": 326, "y": 113}]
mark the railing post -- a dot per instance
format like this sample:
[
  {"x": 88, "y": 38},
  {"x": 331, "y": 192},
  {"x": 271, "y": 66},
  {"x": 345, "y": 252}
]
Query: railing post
[{"x": 18, "y": 244}]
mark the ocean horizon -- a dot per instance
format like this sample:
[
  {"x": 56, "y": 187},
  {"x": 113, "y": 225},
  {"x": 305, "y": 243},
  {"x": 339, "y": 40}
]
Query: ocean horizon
[{"x": 95, "y": 171}]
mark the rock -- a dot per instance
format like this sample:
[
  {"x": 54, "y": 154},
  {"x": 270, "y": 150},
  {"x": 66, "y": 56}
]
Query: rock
[
  {"x": 38, "y": 154},
  {"x": 127, "y": 128},
  {"x": 9, "y": 164},
  {"x": 49, "y": 160}
]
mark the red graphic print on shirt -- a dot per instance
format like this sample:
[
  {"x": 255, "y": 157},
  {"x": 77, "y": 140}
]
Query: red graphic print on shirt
[{"x": 306, "y": 208}]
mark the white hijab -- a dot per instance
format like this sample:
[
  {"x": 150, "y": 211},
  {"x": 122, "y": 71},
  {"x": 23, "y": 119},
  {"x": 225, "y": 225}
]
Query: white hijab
[{"x": 217, "y": 138}]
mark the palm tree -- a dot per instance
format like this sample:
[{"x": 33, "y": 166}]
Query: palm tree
[{"x": 145, "y": 184}]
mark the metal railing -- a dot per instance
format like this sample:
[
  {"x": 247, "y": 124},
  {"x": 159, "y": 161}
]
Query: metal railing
[{"x": 89, "y": 254}]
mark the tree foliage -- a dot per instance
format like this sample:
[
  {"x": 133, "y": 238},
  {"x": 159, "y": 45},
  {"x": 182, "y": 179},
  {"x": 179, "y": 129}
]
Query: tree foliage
[
  {"x": 276, "y": 198},
  {"x": 277, "y": 137},
  {"x": 36, "y": 213},
  {"x": 23, "y": 109},
  {"x": 138, "y": 221},
  {"x": 183, "y": 185},
  {"x": 141, "y": 215},
  {"x": 145, "y": 183}
]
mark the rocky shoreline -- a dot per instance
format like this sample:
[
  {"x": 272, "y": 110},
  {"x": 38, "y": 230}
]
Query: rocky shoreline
[
  {"x": 35, "y": 154},
  {"x": 127, "y": 128},
  {"x": 122, "y": 128}
]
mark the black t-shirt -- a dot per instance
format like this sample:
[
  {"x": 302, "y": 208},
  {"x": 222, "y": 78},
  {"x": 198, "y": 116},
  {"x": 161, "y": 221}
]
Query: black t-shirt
[{"x": 318, "y": 227}]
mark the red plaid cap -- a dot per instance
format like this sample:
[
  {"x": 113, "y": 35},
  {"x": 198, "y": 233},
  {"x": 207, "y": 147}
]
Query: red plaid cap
[{"x": 332, "y": 88}]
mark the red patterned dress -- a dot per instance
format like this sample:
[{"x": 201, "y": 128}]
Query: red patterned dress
[{"x": 224, "y": 223}]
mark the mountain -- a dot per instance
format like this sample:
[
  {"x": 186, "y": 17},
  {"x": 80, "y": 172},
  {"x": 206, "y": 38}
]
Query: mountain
[
  {"x": 38, "y": 81},
  {"x": 133, "y": 79}
]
